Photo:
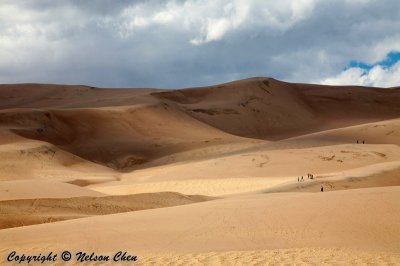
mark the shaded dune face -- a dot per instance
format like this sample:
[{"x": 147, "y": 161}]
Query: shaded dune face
[
  {"x": 118, "y": 138},
  {"x": 127, "y": 129},
  {"x": 272, "y": 110},
  {"x": 252, "y": 108}
]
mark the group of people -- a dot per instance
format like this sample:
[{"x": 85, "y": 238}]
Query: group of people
[
  {"x": 309, "y": 176},
  {"x": 301, "y": 178},
  {"x": 360, "y": 142}
]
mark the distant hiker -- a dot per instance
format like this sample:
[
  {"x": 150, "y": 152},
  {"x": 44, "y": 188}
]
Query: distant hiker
[
  {"x": 322, "y": 189},
  {"x": 301, "y": 178},
  {"x": 298, "y": 179},
  {"x": 363, "y": 142},
  {"x": 357, "y": 141}
]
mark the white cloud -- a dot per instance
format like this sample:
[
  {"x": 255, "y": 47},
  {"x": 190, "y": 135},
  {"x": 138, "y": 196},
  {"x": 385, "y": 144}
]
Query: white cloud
[
  {"x": 383, "y": 46},
  {"x": 241, "y": 14},
  {"x": 375, "y": 77},
  {"x": 233, "y": 16},
  {"x": 211, "y": 20},
  {"x": 301, "y": 9}
]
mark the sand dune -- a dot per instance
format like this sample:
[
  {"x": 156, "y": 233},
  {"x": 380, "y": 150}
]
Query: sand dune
[
  {"x": 36, "y": 159},
  {"x": 14, "y": 213},
  {"x": 39, "y": 188},
  {"x": 383, "y": 132},
  {"x": 68, "y": 96},
  {"x": 300, "y": 256},
  {"x": 149, "y": 124},
  {"x": 270, "y": 109},
  {"x": 349, "y": 219},
  {"x": 80, "y": 155},
  {"x": 253, "y": 170},
  {"x": 128, "y": 136},
  {"x": 378, "y": 175},
  {"x": 210, "y": 187}
]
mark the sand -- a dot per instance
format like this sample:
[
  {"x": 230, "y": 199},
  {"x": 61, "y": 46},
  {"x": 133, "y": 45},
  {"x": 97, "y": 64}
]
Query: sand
[
  {"x": 361, "y": 219},
  {"x": 76, "y": 160},
  {"x": 23, "y": 212},
  {"x": 38, "y": 188},
  {"x": 300, "y": 256}
]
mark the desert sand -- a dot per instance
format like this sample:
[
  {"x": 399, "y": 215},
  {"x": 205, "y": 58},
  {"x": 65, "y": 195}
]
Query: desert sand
[
  {"x": 15, "y": 213},
  {"x": 202, "y": 176}
]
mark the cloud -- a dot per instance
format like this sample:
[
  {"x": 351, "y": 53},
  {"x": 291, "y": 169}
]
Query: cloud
[
  {"x": 174, "y": 43},
  {"x": 211, "y": 20},
  {"x": 233, "y": 16},
  {"x": 385, "y": 73}
]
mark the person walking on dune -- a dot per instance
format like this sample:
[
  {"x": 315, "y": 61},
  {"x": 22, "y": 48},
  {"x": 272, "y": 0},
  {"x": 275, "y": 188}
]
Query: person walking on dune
[{"x": 322, "y": 189}]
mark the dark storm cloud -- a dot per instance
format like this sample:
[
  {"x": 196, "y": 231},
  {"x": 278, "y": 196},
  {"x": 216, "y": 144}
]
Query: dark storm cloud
[{"x": 189, "y": 43}]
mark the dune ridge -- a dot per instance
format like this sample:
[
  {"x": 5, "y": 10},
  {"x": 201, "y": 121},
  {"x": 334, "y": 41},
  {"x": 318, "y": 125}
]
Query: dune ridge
[{"x": 77, "y": 118}]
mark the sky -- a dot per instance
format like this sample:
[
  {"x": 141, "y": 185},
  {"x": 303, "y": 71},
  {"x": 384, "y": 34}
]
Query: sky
[{"x": 176, "y": 44}]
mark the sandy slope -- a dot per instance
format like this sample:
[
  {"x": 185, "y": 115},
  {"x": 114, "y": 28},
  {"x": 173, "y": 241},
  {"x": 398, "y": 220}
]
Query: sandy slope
[
  {"x": 14, "y": 213},
  {"x": 377, "y": 175},
  {"x": 382, "y": 132},
  {"x": 271, "y": 109},
  {"x": 35, "y": 159},
  {"x": 39, "y": 188},
  {"x": 120, "y": 137},
  {"x": 364, "y": 219},
  {"x": 251, "y": 170},
  {"x": 299, "y": 256},
  {"x": 135, "y": 127},
  {"x": 68, "y": 96}
]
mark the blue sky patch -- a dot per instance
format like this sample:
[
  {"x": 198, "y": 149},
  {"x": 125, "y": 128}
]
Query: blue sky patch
[{"x": 391, "y": 59}]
